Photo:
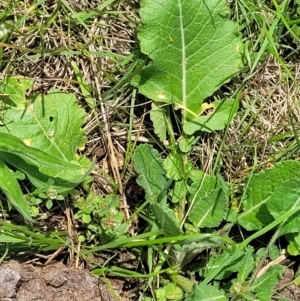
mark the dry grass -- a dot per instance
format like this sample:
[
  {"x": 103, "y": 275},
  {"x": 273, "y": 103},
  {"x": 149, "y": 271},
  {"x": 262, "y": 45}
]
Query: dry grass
[
  {"x": 262, "y": 132},
  {"x": 50, "y": 39}
]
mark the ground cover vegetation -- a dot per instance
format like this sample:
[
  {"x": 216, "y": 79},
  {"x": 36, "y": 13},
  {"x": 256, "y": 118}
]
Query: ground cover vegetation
[{"x": 155, "y": 141}]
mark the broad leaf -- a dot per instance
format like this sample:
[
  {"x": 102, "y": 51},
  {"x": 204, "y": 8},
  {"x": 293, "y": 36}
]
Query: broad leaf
[
  {"x": 38, "y": 165},
  {"x": 286, "y": 197},
  {"x": 209, "y": 210},
  {"x": 210, "y": 198},
  {"x": 194, "y": 48},
  {"x": 52, "y": 123},
  {"x": 261, "y": 187},
  {"x": 9, "y": 185}
]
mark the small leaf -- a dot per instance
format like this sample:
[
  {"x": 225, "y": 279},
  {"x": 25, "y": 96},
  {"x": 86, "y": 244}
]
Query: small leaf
[
  {"x": 173, "y": 292},
  {"x": 206, "y": 293},
  {"x": 49, "y": 204},
  {"x": 263, "y": 285},
  {"x": 167, "y": 220},
  {"x": 9, "y": 185},
  {"x": 246, "y": 266},
  {"x": 186, "y": 143},
  {"x": 149, "y": 166},
  {"x": 179, "y": 191},
  {"x": 224, "y": 111},
  {"x": 158, "y": 118},
  {"x": 293, "y": 243}
]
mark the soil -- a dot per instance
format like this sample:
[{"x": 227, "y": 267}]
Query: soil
[
  {"x": 26, "y": 282},
  {"x": 286, "y": 288}
]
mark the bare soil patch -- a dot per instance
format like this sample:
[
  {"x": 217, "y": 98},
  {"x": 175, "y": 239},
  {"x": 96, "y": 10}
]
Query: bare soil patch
[{"x": 26, "y": 282}]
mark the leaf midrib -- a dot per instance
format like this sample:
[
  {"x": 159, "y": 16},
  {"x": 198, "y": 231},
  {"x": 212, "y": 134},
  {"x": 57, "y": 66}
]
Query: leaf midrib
[{"x": 183, "y": 63}]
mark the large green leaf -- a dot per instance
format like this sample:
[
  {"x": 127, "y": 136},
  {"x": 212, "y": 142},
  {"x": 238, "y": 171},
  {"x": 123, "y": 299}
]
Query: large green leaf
[
  {"x": 260, "y": 190},
  {"x": 52, "y": 123},
  {"x": 194, "y": 48},
  {"x": 9, "y": 185},
  {"x": 286, "y": 197},
  {"x": 40, "y": 135},
  {"x": 39, "y": 165}
]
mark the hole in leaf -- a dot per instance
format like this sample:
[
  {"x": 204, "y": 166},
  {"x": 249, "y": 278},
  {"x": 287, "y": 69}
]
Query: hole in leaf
[{"x": 51, "y": 118}]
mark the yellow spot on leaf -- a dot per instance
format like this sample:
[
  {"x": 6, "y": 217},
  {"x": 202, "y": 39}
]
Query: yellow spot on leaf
[
  {"x": 161, "y": 96},
  {"x": 27, "y": 141},
  {"x": 207, "y": 109}
]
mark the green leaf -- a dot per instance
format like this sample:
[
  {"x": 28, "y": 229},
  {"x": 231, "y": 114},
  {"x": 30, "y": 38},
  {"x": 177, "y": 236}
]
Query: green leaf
[
  {"x": 246, "y": 266},
  {"x": 293, "y": 243},
  {"x": 52, "y": 122},
  {"x": 225, "y": 264},
  {"x": 179, "y": 191},
  {"x": 206, "y": 293},
  {"x": 36, "y": 163},
  {"x": 186, "y": 143},
  {"x": 167, "y": 219},
  {"x": 210, "y": 210},
  {"x": 214, "y": 121},
  {"x": 173, "y": 292},
  {"x": 149, "y": 166},
  {"x": 173, "y": 165},
  {"x": 194, "y": 49},
  {"x": 259, "y": 191},
  {"x": 158, "y": 117},
  {"x": 210, "y": 200},
  {"x": 16, "y": 88},
  {"x": 10, "y": 186},
  {"x": 263, "y": 285},
  {"x": 285, "y": 198}
]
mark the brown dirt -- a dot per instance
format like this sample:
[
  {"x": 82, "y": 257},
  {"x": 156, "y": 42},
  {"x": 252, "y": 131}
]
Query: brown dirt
[
  {"x": 26, "y": 282},
  {"x": 286, "y": 288}
]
